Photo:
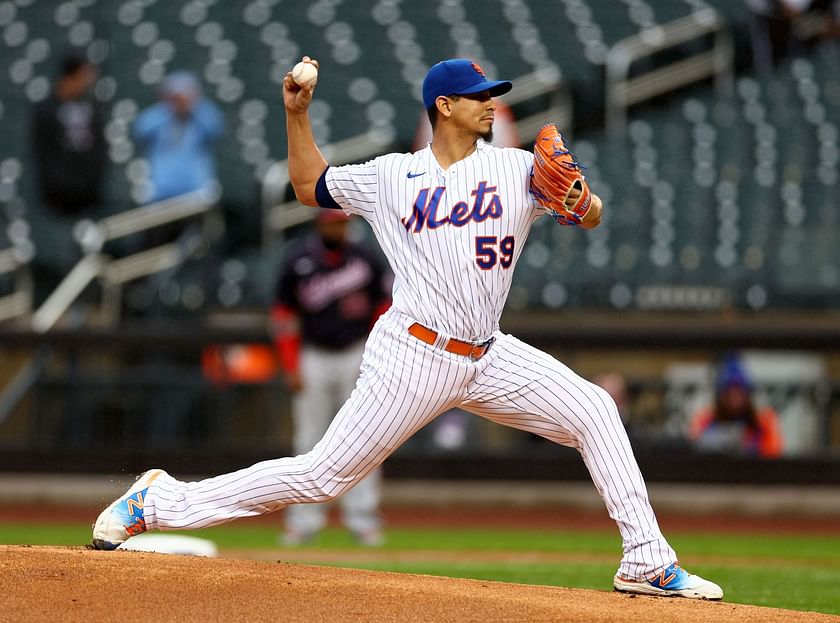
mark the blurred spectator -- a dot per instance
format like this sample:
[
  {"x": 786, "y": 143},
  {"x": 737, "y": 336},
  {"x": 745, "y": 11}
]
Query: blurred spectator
[
  {"x": 504, "y": 129},
  {"x": 68, "y": 141},
  {"x": 639, "y": 426},
  {"x": 616, "y": 387},
  {"x": 772, "y": 30},
  {"x": 177, "y": 135},
  {"x": 70, "y": 155},
  {"x": 734, "y": 424},
  {"x": 329, "y": 294}
]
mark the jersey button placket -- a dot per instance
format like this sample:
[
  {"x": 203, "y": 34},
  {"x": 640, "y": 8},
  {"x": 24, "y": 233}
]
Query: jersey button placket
[{"x": 460, "y": 233}]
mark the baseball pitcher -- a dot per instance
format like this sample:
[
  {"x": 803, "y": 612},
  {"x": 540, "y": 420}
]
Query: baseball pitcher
[{"x": 452, "y": 220}]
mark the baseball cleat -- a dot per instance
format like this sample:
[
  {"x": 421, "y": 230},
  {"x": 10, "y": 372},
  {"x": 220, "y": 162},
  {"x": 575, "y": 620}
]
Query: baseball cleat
[
  {"x": 674, "y": 581},
  {"x": 124, "y": 517}
]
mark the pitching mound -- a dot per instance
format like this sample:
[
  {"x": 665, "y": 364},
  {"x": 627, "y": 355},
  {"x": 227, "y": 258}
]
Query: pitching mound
[{"x": 74, "y": 584}]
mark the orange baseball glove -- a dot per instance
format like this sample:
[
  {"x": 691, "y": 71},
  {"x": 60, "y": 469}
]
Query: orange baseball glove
[{"x": 556, "y": 174}]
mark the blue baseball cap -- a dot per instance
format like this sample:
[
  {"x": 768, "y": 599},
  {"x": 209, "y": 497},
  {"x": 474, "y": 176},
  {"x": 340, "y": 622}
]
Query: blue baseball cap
[
  {"x": 459, "y": 76},
  {"x": 733, "y": 374}
]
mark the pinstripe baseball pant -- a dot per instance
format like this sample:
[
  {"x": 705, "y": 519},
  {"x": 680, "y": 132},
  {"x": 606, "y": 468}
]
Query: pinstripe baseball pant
[{"x": 405, "y": 384}]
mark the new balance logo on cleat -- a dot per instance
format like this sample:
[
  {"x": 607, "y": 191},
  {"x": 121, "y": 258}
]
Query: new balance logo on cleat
[
  {"x": 661, "y": 581},
  {"x": 673, "y": 581},
  {"x": 136, "y": 504},
  {"x": 124, "y": 518},
  {"x": 135, "y": 522}
]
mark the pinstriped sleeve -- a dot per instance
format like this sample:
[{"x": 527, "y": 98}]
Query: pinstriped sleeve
[
  {"x": 355, "y": 187},
  {"x": 526, "y": 161}
]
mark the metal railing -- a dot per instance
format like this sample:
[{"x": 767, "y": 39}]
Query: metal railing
[
  {"x": 15, "y": 261},
  {"x": 114, "y": 273},
  {"x": 93, "y": 235},
  {"x": 717, "y": 62},
  {"x": 18, "y": 302}
]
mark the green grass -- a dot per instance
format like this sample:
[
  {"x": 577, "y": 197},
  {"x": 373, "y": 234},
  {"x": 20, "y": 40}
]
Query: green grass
[{"x": 800, "y": 572}]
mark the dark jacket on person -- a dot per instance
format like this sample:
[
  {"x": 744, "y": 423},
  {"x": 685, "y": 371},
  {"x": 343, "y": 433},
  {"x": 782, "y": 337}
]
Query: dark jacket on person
[{"x": 70, "y": 152}]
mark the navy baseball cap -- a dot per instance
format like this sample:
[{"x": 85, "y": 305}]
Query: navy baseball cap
[
  {"x": 459, "y": 76},
  {"x": 733, "y": 374}
]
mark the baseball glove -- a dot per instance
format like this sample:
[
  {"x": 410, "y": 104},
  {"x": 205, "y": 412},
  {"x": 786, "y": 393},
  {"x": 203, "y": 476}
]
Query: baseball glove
[{"x": 556, "y": 174}]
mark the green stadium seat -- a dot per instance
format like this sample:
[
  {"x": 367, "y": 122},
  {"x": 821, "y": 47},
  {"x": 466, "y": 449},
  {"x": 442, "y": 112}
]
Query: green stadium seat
[{"x": 374, "y": 55}]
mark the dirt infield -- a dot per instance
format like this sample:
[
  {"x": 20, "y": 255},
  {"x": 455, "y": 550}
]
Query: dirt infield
[{"x": 74, "y": 584}]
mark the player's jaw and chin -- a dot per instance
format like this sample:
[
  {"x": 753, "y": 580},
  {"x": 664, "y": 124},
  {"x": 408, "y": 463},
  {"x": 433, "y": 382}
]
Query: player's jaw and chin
[
  {"x": 485, "y": 126},
  {"x": 478, "y": 107}
]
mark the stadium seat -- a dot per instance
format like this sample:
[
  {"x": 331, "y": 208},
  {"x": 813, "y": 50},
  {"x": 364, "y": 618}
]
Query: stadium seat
[{"x": 698, "y": 190}]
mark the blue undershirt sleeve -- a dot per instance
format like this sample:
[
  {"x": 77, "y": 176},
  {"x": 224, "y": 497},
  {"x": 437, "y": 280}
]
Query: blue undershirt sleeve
[{"x": 322, "y": 194}]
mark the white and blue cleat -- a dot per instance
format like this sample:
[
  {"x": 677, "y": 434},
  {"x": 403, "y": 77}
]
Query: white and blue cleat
[
  {"x": 124, "y": 518},
  {"x": 674, "y": 581}
]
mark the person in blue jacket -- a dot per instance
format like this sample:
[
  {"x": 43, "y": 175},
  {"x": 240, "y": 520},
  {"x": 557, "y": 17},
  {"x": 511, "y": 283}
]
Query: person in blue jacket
[{"x": 177, "y": 137}]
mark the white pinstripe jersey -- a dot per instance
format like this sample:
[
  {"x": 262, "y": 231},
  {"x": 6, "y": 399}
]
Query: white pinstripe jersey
[{"x": 452, "y": 236}]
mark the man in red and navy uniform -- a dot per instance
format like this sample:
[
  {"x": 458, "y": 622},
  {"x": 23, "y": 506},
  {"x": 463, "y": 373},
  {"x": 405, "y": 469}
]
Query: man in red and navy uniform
[{"x": 329, "y": 294}]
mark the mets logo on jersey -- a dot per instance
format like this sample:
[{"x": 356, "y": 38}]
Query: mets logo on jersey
[
  {"x": 478, "y": 69},
  {"x": 486, "y": 204}
]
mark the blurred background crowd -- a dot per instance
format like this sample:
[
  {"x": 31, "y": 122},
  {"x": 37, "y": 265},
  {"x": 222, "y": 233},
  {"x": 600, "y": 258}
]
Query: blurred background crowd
[{"x": 146, "y": 216}]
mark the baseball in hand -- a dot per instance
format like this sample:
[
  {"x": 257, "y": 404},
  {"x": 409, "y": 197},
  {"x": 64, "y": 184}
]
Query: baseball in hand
[{"x": 305, "y": 74}]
